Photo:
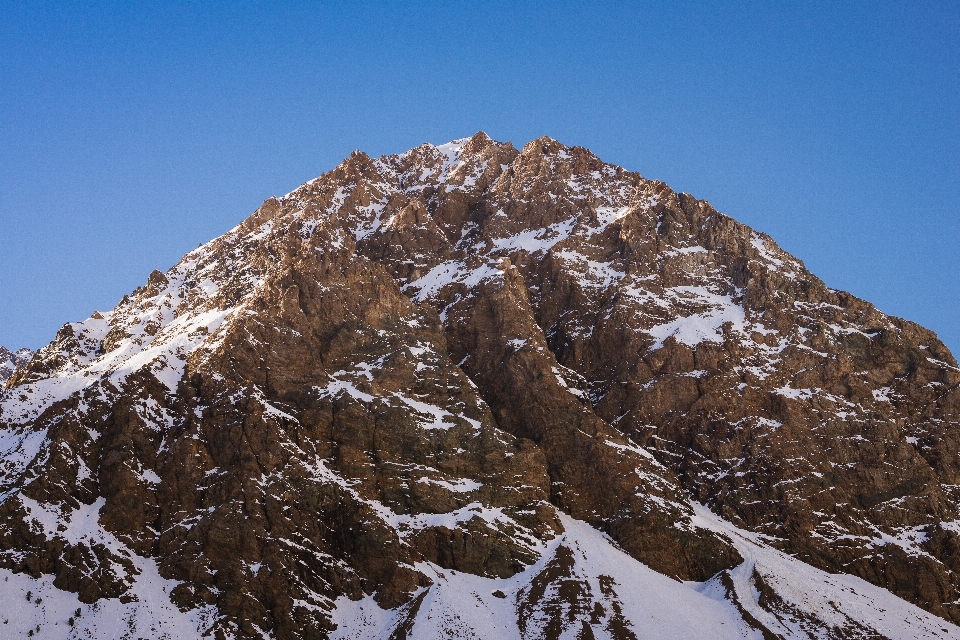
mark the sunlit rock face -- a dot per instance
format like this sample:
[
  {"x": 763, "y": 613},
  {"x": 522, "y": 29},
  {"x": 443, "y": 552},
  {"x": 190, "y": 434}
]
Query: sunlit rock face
[
  {"x": 10, "y": 361},
  {"x": 470, "y": 391}
]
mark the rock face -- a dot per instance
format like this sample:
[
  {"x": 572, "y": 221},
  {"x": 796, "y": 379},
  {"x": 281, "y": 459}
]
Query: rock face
[
  {"x": 528, "y": 376},
  {"x": 10, "y": 361}
]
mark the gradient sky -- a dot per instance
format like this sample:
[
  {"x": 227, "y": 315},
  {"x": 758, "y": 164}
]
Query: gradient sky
[{"x": 132, "y": 132}]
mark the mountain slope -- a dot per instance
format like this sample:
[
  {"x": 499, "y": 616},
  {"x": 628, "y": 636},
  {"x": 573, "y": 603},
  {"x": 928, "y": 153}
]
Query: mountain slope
[
  {"x": 456, "y": 366},
  {"x": 10, "y": 361}
]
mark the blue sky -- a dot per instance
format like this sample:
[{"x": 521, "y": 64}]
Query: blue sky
[{"x": 132, "y": 132}]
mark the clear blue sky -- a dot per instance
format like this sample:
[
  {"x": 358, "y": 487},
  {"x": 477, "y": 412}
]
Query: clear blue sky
[{"x": 132, "y": 132}]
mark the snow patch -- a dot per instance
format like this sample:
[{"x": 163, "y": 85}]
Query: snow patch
[{"x": 706, "y": 326}]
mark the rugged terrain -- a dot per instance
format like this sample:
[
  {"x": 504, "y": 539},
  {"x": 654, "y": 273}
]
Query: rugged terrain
[
  {"x": 10, "y": 361},
  {"x": 471, "y": 391}
]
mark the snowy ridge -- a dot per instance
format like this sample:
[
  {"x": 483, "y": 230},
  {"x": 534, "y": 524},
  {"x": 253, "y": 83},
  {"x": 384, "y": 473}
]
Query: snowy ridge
[{"x": 145, "y": 333}]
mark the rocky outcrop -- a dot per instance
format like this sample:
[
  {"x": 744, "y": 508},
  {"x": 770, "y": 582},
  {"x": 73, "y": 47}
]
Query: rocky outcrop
[
  {"x": 423, "y": 365},
  {"x": 10, "y": 361}
]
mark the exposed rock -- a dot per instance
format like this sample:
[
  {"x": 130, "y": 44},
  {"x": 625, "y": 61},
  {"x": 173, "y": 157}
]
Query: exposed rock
[
  {"x": 10, "y": 361},
  {"x": 419, "y": 367}
]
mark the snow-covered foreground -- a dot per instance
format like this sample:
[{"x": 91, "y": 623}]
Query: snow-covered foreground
[
  {"x": 35, "y": 608},
  {"x": 649, "y": 604},
  {"x": 461, "y": 605},
  {"x": 835, "y": 600},
  {"x": 582, "y": 580}
]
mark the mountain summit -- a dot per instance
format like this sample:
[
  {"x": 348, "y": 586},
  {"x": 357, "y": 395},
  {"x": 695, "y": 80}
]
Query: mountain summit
[{"x": 469, "y": 391}]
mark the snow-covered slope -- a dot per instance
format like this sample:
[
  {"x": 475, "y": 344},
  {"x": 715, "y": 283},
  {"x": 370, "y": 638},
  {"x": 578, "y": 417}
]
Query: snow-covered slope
[{"x": 582, "y": 581}]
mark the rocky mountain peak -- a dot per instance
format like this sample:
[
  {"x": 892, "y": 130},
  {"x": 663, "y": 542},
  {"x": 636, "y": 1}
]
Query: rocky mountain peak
[
  {"x": 531, "y": 377},
  {"x": 10, "y": 361}
]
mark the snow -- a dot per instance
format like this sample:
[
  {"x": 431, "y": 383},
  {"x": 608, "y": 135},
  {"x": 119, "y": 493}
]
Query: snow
[
  {"x": 164, "y": 353},
  {"x": 154, "y": 331},
  {"x": 493, "y": 516},
  {"x": 76, "y": 527},
  {"x": 180, "y": 337},
  {"x": 446, "y": 273},
  {"x": 436, "y": 417},
  {"x": 706, "y": 326},
  {"x": 451, "y": 152},
  {"x": 50, "y": 609},
  {"x": 685, "y": 251},
  {"x": 837, "y": 599},
  {"x": 461, "y": 485},
  {"x": 537, "y": 240},
  {"x": 337, "y": 386},
  {"x": 151, "y": 615},
  {"x": 796, "y": 394},
  {"x": 373, "y": 212},
  {"x": 594, "y": 274},
  {"x": 428, "y": 416},
  {"x": 772, "y": 425},
  {"x": 18, "y": 451},
  {"x": 760, "y": 244},
  {"x": 609, "y": 215},
  {"x": 461, "y": 605},
  {"x": 29, "y": 401},
  {"x": 633, "y": 448},
  {"x": 464, "y": 605}
]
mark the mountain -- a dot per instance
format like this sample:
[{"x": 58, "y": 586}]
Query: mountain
[
  {"x": 469, "y": 391},
  {"x": 10, "y": 361}
]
